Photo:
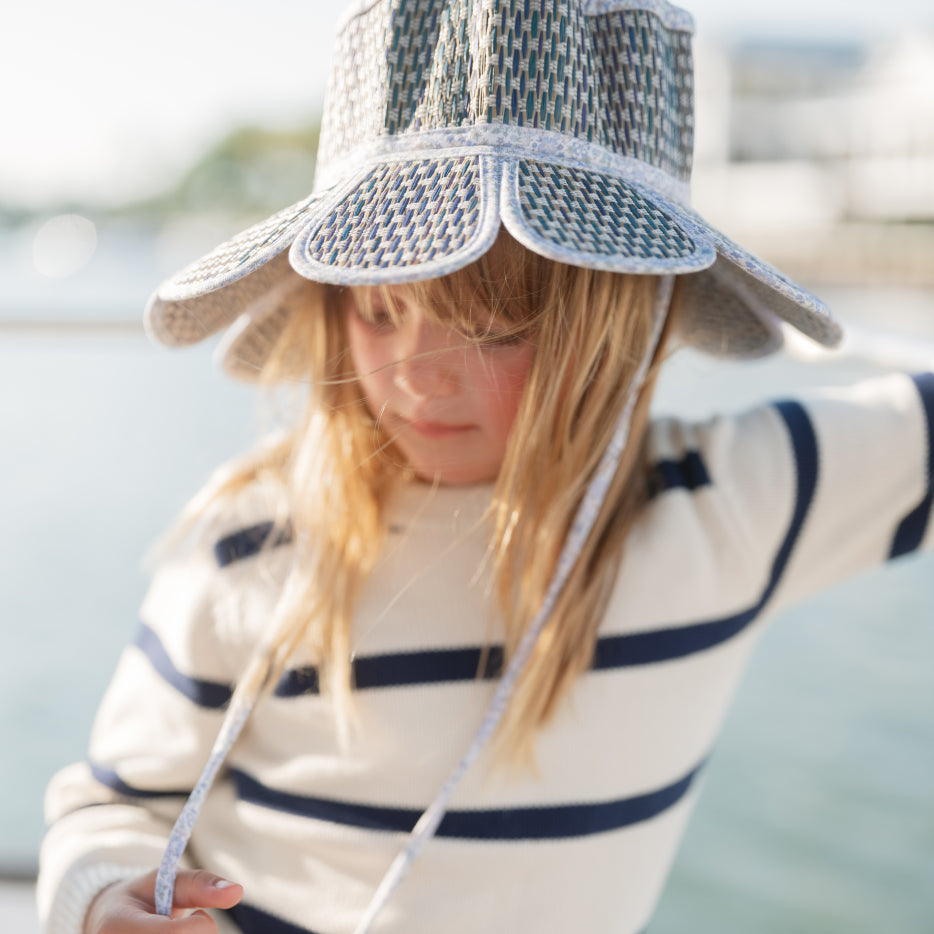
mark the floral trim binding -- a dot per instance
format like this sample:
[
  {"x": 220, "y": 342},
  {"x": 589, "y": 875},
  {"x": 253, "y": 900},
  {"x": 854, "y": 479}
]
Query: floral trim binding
[
  {"x": 234, "y": 721},
  {"x": 671, "y": 16},
  {"x": 507, "y": 140},
  {"x": 355, "y": 9}
]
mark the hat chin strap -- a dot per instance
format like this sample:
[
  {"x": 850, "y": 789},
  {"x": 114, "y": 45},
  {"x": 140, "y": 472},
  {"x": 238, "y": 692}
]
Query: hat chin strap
[{"x": 243, "y": 701}]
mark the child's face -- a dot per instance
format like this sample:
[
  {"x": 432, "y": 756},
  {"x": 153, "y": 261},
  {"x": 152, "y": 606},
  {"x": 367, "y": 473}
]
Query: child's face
[{"x": 447, "y": 402}]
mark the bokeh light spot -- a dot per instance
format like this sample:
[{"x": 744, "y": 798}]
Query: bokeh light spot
[{"x": 63, "y": 245}]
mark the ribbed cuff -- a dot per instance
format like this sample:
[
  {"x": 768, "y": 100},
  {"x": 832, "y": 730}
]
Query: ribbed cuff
[{"x": 77, "y": 891}]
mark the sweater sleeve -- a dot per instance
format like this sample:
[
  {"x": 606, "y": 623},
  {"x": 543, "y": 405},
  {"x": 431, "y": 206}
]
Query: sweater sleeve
[
  {"x": 109, "y": 817},
  {"x": 863, "y": 468},
  {"x": 754, "y": 511}
]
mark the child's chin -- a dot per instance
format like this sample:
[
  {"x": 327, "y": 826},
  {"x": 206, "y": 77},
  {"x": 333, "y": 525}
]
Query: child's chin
[{"x": 448, "y": 475}]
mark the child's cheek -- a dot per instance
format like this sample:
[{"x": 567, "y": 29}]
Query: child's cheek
[{"x": 370, "y": 358}]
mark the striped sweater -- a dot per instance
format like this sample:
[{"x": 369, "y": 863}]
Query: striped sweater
[{"x": 749, "y": 513}]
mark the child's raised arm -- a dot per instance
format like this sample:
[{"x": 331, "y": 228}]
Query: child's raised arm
[
  {"x": 818, "y": 489},
  {"x": 873, "y": 479}
]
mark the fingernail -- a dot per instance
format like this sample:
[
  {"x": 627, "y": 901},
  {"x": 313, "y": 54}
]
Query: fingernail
[{"x": 223, "y": 884}]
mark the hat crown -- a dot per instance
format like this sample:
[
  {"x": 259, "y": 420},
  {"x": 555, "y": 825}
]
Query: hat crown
[
  {"x": 568, "y": 123},
  {"x": 615, "y": 74}
]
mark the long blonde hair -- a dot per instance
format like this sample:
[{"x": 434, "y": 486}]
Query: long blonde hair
[{"x": 591, "y": 330}]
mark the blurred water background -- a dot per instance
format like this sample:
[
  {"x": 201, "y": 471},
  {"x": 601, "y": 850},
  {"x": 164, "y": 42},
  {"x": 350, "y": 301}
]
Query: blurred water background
[{"x": 817, "y": 814}]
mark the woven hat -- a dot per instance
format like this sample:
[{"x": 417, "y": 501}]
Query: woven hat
[{"x": 569, "y": 122}]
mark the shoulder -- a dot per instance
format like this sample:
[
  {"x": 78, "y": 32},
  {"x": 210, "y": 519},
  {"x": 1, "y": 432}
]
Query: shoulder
[
  {"x": 215, "y": 574},
  {"x": 233, "y": 517},
  {"x": 729, "y": 465},
  {"x": 723, "y": 497}
]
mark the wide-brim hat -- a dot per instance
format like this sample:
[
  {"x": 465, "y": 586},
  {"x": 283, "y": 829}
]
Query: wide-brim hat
[{"x": 568, "y": 122}]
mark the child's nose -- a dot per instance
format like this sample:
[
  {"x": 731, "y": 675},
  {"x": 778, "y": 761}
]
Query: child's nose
[{"x": 428, "y": 365}]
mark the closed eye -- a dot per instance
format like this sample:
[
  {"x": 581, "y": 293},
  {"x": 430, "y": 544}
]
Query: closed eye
[
  {"x": 494, "y": 337},
  {"x": 375, "y": 316}
]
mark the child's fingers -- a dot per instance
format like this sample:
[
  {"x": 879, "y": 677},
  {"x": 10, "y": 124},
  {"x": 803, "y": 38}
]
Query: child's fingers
[
  {"x": 128, "y": 907},
  {"x": 194, "y": 888},
  {"x": 141, "y": 921},
  {"x": 201, "y": 889}
]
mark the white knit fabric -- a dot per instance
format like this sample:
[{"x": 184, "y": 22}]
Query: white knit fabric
[{"x": 752, "y": 512}]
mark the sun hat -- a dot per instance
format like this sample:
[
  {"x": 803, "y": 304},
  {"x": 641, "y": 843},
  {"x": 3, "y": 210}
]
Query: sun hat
[{"x": 568, "y": 122}]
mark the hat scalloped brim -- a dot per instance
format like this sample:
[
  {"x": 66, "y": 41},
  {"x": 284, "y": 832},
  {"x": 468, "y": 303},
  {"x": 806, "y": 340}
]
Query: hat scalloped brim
[
  {"x": 191, "y": 305},
  {"x": 406, "y": 220}
]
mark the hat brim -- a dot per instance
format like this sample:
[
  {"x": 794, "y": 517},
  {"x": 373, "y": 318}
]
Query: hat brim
[
  {"x": 412, "y": 219},
  {"x": 210, "y": 293}
]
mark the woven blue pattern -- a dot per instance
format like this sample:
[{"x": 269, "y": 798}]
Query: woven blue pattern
[
  {"x": 353, "y": 112},
  {"x": 243, "y": 250},
  {"x": 452, "y": 89},
  {"x": 540, "y": 69},
  {"x": 646, "y": 71},
  {"x": 403, "y": 214},
  {"x": 521, "y": 63},
  {"x": 413, "y": 34},
  {"x": 621, "y": 79},
  {"x": 587, "y": 212}
]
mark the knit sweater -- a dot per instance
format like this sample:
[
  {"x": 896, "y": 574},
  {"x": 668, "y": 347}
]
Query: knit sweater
[{"x": 749, "y": 513}]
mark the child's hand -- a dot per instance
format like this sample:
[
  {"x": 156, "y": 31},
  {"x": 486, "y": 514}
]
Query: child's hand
[{"x": 130, "y": 906}]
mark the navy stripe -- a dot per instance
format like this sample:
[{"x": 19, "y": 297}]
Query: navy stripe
[
  {"x": 210, "y": 694},
  {"x": 252, "y": 920},
  {"x": 247, "y": 542},
  {"x": 911, "y": 531},
  {"x": 402, "y": 669},
  {"x": 689, "y": 473},
  {"x": 551, "y": 822},
  {"x": 112, "y": 780}
]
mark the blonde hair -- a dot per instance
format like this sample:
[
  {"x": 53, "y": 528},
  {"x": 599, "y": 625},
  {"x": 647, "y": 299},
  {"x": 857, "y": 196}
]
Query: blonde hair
[{"x": 591, "y": 330}]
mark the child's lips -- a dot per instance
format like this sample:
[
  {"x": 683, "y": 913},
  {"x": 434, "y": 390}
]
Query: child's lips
[{"x": 431, "y": 429}]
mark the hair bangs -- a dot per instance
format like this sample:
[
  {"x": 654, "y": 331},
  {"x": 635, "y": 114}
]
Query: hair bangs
[{"x": 499, "y": 295}]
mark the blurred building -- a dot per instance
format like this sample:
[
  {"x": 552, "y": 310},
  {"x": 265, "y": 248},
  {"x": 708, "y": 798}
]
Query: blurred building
[{"x": 822, "y": 156}]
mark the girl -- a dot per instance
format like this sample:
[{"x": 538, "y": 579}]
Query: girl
[{"x": 471, "y": 532}]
